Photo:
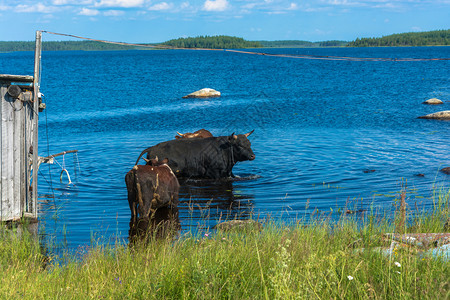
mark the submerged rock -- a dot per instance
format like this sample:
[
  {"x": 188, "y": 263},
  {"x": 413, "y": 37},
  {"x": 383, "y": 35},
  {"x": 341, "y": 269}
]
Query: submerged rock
[
  {"x": 204, "y": 93},
  {"x": 433, "y": 101},
  {"x": 446, "y": 170},
  {"x": 239, "y": 225},
  {"x": 441, "y": 115}
]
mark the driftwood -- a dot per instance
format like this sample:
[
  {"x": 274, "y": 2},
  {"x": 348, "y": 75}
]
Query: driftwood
[{"x": 49, "y": 159}]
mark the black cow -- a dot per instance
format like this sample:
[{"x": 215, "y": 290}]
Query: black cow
[
  {"x": 151, "y": 187},
  {"x": 212, "y": 157}
]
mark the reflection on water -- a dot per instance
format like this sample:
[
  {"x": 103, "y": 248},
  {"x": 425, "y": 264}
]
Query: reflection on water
[
  {"x": 209, "y": 201},
  {"x": 163, "y": 223}
]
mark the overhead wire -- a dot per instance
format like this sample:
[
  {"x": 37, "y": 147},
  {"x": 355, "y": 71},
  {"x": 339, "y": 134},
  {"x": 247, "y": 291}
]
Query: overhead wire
[{"x": 296, "y": 56}]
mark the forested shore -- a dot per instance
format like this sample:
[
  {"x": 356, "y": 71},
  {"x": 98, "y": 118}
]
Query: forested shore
[
  {"x": 412, "y": 39},
  {"x": 429, "y": 38}
]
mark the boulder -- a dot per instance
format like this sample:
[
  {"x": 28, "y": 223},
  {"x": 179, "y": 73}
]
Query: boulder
[
  {"x": 203, "y": 93},
  {"x": 441, "y": 115},
  {"x": 446, "y": 170},
  {"x": 433, "y": 101}
]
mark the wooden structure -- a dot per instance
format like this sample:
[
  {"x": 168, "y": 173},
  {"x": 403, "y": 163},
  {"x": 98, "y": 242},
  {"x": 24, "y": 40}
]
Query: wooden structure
[{"x": 19, "y": 110}]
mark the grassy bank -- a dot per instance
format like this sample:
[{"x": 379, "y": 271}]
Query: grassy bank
[{"x": 323, "y": 260}]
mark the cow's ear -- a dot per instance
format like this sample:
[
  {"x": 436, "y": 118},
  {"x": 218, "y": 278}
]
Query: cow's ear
[{"x": 165, "y": 161}]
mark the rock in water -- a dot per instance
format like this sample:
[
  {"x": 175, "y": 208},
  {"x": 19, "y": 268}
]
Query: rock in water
[
  {"x": 446, "y": 170},
  {"x": 433, "y": 101},
  {"x": 441, "y": 115},
  {"x": 204, "y": 93},
  {"x": 239, "y": 225}
]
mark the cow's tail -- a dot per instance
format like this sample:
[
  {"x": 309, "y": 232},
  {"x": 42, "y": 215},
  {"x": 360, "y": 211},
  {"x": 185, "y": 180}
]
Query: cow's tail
[{"x": 142, "y": 153}]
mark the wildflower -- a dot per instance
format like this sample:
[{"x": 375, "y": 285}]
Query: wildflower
[
  {"x": 350, "y": 277},
  {"x": 118, "y": 279},
  {"x": 397, "y": 264},
  {"x": 398, "y": 272},
  {"x": 206, "y": 234}
]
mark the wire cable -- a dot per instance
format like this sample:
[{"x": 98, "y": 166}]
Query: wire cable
[{"x": 313, "y": 57}]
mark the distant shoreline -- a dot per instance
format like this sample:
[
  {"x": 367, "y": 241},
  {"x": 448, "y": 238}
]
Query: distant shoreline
[
  {"x": 437, "y": 38},
  {"x": 155, "y": 49}
]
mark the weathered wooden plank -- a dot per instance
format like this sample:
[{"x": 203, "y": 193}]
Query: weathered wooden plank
[
  {"x": 8, "y": 159},
  {"x": 15, "y": 205},
  {"x": 19, "y": 178},
  {"x": 19, "y": 78},
  {"x": 2, "y": 134},
  {"x": 29, "y": 115}
]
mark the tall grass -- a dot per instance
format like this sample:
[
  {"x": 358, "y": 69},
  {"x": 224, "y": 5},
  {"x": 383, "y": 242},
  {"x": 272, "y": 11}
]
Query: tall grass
[{"x": 324, "y": 260}]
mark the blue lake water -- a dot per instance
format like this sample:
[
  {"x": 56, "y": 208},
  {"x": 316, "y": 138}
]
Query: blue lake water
[{"x": 328, "y": 134}]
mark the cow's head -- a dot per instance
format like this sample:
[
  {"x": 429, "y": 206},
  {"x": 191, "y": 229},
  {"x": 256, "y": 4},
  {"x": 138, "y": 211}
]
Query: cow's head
[{"x": 241, "y": 147}]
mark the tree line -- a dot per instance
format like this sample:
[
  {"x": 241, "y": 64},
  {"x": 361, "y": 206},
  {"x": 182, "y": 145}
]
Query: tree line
[
  {"x": 428, "y": 38},
  {"x": 212, "y": 42},
  {"x": 301, "y": 44},
  {"x": 61, "y": 46}
]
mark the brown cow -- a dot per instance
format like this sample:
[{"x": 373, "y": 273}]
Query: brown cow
[
  {"x": 151, "y": 187},
  {"x": 202, "y": 133}
]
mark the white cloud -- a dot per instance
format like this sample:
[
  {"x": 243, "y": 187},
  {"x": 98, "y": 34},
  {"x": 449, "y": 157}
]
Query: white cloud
[
  {"x": 120, "y": 3},
  {"x": 249, "y": 5},
  {"x": 72, "y": 2},
  {"x": 113, "y": 13},
  {"x": 215, "y": 5},
  {"x": 161, "y": 6},
  {"x": 4, "y": 7},
  {"x": 185, "y": 5},
  {"x": 35, "y": 8},
  {"x": 293, "y": 6},
  {"x": 88, "y": 12}
]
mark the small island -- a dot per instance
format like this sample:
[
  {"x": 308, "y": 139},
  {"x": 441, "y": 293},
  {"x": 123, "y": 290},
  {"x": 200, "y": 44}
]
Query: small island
[{"x": 212, "y": 42}]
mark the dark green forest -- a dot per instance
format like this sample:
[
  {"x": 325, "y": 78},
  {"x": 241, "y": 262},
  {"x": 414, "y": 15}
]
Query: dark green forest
[
  {"x": 429, "y": 38},
  {"x": 61, "y": 45},
  {"x": 301, "y": 44},
  {"x": 212, "y": 42}
]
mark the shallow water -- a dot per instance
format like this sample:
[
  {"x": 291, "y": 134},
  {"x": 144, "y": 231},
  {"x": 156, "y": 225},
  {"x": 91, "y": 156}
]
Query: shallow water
[{"x": 328, "y": 134}]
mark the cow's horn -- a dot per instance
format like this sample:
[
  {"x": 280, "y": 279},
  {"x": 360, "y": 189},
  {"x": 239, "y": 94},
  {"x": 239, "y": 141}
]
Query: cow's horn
[
  {"x": 180, "y": 134},
  {"x": 146, "y": 160},
  {"x": 247, "y": 134}
]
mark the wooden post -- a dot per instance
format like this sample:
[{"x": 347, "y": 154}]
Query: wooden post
[{"x": 32, "y": 207}]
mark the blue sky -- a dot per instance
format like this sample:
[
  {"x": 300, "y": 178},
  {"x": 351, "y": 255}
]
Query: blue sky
[{"x": 160, "y": 20}]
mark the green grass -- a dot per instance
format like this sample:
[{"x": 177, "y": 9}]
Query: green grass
[{"x": 280, "y": 262}]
